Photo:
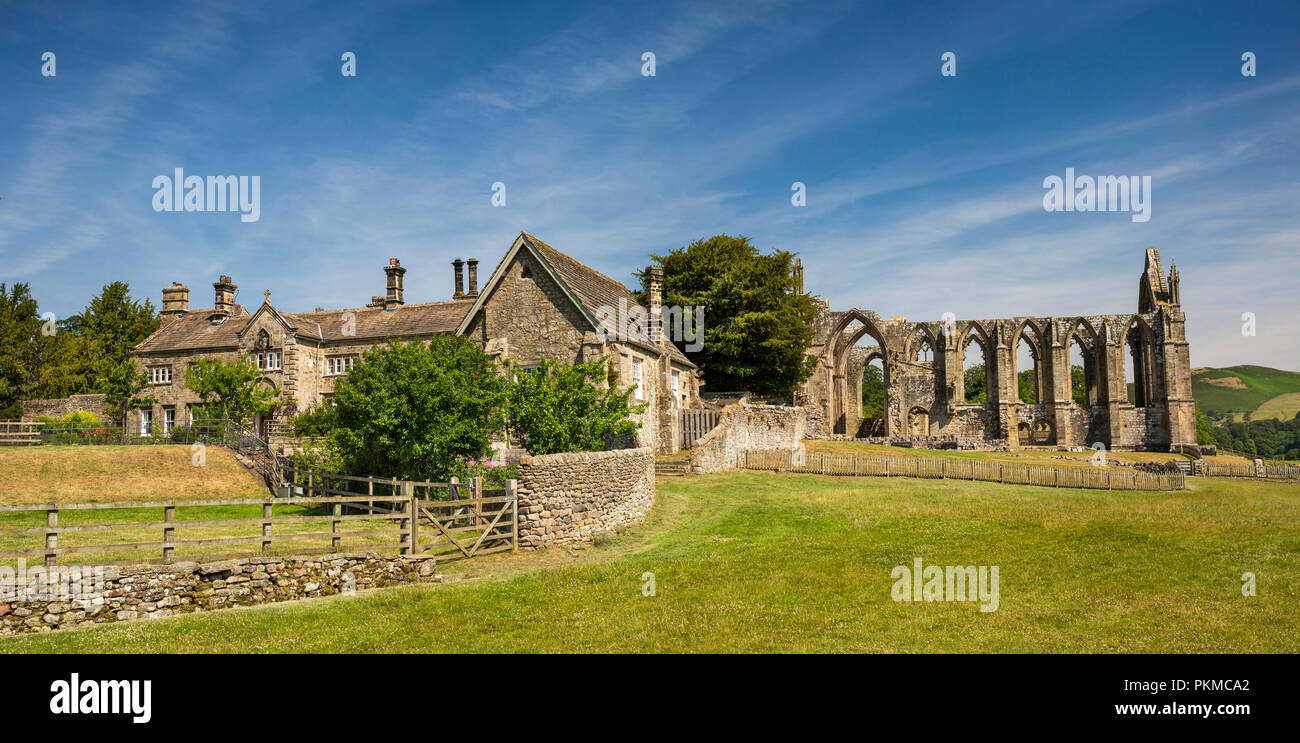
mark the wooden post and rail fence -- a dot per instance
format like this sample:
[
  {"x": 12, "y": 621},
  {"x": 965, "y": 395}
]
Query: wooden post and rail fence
[
  {"x": 958, "y": 468},
  {"x": 451, "y": 520}
]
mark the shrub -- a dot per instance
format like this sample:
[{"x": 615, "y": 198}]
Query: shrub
[
  {"x": 411, "y": 410},
  {"x": 81, "y": 418},
  {"x": 494, "y": 473},
  {"x": 561, "y": 408},
  {"x": 317, "y": 421}
]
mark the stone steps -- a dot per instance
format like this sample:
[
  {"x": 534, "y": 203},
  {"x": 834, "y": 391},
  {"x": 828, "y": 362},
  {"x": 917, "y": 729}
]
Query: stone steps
[{"x": 672, "y": 468}]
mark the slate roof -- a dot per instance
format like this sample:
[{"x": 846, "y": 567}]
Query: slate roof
[
  {"x": 405, "y": 320},
  {"x": 195, "y": 331}
]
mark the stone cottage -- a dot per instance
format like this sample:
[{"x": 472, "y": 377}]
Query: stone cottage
[{"x": 538, "y": 303}]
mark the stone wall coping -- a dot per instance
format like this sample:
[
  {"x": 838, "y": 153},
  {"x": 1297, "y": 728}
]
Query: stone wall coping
[
  {"x": 205, "y": 568},
  {"x": 579, "y": 457}
]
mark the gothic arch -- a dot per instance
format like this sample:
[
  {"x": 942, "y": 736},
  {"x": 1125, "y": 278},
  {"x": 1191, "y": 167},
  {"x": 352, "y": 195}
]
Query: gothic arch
[{"x": 1036, "y": 339}]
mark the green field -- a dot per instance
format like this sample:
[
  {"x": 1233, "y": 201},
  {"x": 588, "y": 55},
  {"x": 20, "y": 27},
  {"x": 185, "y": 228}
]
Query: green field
[
  {"x": 761, "y": 562},
  {"x": 1259, "y": 390}
]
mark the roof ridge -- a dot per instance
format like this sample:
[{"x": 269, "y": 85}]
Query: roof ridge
[{"x": 541, "y": 243}]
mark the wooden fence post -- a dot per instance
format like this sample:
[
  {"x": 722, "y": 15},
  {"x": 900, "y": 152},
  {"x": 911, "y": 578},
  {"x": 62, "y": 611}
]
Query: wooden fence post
[
  {"x": 512, "y": 492},
  {"x": 51, "y": 538},
  {"x": 266, "y": 528},
  {"x": 169, "y": 533},
  {"x": 411, "y": 523},
  {"x": 477, "y": 494},
  {"x": 336, "y": 527}
]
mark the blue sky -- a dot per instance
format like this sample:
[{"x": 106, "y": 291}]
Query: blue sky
[{"x": 924, "y": 192}]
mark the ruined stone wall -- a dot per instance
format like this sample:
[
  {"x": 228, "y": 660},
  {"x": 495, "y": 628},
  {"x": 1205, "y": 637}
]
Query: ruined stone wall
[
  {"x": 146, "y": 591},
  {"x": 61, "y": 406},
  {"x": 573, "y": 498},
  {"x": 1142, "y": 428},
  {"x": 754, "y": 427}
]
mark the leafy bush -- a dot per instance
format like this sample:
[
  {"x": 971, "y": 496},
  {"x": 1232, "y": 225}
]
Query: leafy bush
[
  {"x": 560, "y": 407},
  {"x": 494, "y": 473},
  {"x": 81, "y": 418},
  {"x": 317, "y": 421},
  {"x": 411, "y": 410}
]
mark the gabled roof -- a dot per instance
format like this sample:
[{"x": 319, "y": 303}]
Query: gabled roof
[
  {"x": 587, "y": 288},
  {"x": 194, "y": 331}
]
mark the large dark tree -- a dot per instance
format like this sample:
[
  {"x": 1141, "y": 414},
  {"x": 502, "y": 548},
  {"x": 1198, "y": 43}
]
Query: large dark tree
[
  {"x": 33, "y": 352},
  {"x": 105, "y": 331},
  {"x": 757, "y": 327}
]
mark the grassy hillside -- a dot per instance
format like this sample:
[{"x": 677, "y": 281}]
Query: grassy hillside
[
  {"x": 73, "y": 474},
  {"x": 1264, "y": 392},
  {"x": 755, "y": 562}
]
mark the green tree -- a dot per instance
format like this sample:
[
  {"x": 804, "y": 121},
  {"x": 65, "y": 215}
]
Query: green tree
[
  {"x": 1028, "y": 387},
  {"x": 561, "y": 407},
  {"x": 230, "y": 390},
  {"x": 106, "y": 331},
  {"x": 122, "y": 385},
  {"x": 1078, "y": 385},
  {"x": 757, "y": 327},
  {"x": 412, "y": 411},
  {"x": 873, "y": 392},
  {"x": 976, "y": 384},
  {"x": 1204, "y": 429},
  {"x": 32, "y": 352}
]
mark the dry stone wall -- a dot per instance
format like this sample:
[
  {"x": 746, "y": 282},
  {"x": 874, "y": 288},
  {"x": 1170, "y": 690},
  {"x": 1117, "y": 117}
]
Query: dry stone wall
[
  {"x": 755, "y": 427},
  {"x": 61, "y": 406},
  {"x": 572, "y": 498},
  {"x": 147, "y": 591}
]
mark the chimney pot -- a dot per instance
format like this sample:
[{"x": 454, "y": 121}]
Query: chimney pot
[
  {"x": 396, "y": 294},
  {"x": 473, "y": 277},
  {"x": 224, "y": 300},
  {"x": 176, "y": 298},
  {"x": 654, "y": 296},
  {"x": 459, "y": 267}
]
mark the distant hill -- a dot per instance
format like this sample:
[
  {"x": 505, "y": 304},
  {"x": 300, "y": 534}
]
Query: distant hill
[{"x": 1236, "y": 390}]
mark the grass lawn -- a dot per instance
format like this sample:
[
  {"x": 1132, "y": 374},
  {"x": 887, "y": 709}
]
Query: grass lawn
[
  {"x": 762, "y": 562},
  {"x": 78, "y": 474}
]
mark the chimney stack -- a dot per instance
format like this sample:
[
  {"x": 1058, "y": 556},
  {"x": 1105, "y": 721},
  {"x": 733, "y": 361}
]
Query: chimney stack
[
  {"x": 176, "y": 298},
  {"x": 473, "y": 277},
  {"x": 459, "y": 265},
  {"x": 798, "y": 276},
  {"x": 395, "y": 294},
  {"x": 654, "y": 296},
  {"x": 225, "y": 296}
]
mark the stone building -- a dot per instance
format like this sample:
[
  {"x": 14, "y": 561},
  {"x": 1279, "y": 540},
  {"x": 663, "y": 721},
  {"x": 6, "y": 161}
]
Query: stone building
[
  {"x": 538, "y": 303},
  {"x": 923, "y": 367}
]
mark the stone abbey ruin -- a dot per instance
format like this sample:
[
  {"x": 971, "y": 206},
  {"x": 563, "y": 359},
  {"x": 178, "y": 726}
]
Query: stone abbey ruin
[{"x": 924, "y": 374}]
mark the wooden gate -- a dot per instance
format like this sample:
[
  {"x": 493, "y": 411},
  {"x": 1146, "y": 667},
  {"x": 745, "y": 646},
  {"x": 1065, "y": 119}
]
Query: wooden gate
[
  {"x": 695, "y": 423},
  {"x": 465, "y": 520}
]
